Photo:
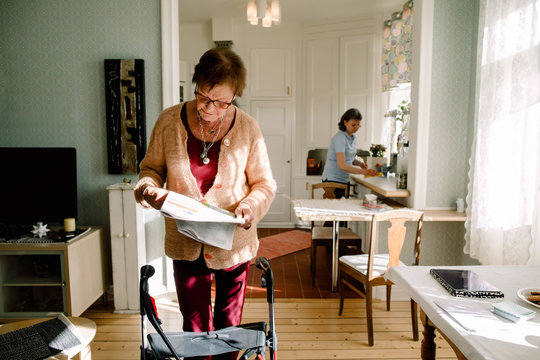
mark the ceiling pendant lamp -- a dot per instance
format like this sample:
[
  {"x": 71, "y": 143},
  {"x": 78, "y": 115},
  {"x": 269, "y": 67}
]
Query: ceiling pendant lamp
[
  {"x": 252, "y": 13},
  {"x": 268, "y": 11},
  {"x": 261, "y": 8},
  {"x": 267, "y": 19},
  {"x": 276, "y": 12}
]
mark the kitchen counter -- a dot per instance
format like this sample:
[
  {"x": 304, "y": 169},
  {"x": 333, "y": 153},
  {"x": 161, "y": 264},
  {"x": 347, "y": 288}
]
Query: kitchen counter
[
  {"x": 383, "y": 186},
  {"x": 386, "y": 187}
]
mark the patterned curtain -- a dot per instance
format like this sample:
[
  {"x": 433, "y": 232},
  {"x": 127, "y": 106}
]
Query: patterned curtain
[{"x": 397, "y": 47}]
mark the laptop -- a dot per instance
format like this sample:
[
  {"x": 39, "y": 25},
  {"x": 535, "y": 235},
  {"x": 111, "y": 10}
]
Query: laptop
[{"x": 465, "y": 283}]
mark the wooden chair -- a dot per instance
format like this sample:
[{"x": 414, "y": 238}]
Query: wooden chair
[
  {"x": 362, "y": 272},
  {"x": 322, "y": 235}
]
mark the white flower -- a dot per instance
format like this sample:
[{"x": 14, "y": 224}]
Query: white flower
[{"x": 40, "y": 230}]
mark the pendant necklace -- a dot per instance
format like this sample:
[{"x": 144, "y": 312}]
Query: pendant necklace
[{"x": 206, "y": 148}]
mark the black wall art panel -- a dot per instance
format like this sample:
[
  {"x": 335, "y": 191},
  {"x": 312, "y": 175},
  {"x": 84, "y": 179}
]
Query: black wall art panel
[{"x": 126, "y": 114}]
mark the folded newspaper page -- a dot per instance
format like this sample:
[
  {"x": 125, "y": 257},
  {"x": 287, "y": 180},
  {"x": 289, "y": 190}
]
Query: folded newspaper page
[
  {"x": 200, "y": 221},
  {"x": 219, "y": 234}
]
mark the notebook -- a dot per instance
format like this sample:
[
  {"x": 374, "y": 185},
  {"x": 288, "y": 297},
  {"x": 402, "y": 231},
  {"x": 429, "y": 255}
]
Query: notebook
[
  {"x": 513, "y": 311},
  {"x": 465, "y": 283}
]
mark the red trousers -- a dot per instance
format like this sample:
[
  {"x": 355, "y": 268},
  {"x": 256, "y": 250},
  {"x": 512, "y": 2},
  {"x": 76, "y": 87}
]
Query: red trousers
[{"x": 193, "y": 287}]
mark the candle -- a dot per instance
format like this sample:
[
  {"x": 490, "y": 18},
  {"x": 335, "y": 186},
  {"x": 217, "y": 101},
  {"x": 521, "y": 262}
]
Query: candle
[
  {"x": 69, "y": 224},
  {"x": 460, "y": 205}
]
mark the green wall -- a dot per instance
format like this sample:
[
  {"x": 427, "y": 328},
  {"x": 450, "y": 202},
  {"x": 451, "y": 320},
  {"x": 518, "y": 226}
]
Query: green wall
[
  {"x": 452, "y": 100},
  {"x": 455, "y": 32},
  {"x": 52, "y": 80}
]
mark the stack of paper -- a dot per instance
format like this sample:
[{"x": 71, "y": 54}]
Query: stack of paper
[{"x": 200, "y": 221}]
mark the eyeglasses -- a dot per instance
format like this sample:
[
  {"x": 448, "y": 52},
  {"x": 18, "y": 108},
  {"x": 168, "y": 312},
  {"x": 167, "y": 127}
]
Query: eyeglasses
[{"x": 217, "y": 103}]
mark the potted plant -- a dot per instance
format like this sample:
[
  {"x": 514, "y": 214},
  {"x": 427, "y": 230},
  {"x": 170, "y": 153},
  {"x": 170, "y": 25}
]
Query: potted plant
[
  {"x": 377, "y": 150},
  {"x": 377, "y": 158}
]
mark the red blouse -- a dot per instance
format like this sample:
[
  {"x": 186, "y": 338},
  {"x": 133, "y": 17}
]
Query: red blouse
[{"x": 204, "y": 174}]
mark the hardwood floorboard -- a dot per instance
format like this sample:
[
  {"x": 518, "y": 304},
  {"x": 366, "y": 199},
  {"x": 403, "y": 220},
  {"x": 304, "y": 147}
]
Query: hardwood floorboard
[{"x": 307, "y": 322}]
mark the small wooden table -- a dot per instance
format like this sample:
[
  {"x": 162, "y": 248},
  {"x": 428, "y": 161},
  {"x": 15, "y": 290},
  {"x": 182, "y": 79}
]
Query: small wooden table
[
  {"x": 332, "y": 210},
  {"x": 86, "y": 329},
  {"x": 352, "y": 210}
]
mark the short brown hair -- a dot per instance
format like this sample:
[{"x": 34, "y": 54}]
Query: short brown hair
[{"x": 221, "y": 66}]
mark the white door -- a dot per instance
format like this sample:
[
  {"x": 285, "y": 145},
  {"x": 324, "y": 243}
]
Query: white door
[
  {"x": 356, "y": 82},
  {"x": 275, "y": 121},
  {"x": 322, "y": 91}
]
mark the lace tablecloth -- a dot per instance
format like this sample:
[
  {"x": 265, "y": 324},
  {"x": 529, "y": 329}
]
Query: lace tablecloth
[{"x": 333, "y": 209}]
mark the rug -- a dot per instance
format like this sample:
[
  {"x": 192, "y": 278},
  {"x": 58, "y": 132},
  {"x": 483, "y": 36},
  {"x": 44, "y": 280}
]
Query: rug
[{"x": 283, "y": 243}]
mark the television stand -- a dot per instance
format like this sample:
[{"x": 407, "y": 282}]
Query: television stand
[
  {"x": 44, "y": 279},
  {"x": 14, "y": 231},
  {"x": 62, "y": 235}
]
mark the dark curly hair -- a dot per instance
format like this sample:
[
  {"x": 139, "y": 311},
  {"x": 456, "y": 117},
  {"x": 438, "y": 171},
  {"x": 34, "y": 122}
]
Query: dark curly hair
[
  {"x": 352, "y": 113},
  {"x": 221, "y": 66}
]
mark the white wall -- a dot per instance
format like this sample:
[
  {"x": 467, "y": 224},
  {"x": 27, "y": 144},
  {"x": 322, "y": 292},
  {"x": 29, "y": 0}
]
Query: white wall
[{"x": 195, "y": 39}]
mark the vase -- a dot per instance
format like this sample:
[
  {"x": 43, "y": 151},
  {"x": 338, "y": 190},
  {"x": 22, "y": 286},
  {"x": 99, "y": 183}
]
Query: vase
[{"x": 373, "y": 161}]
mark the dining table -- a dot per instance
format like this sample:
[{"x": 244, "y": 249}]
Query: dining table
[
  {"x": 353, "y": 209},
  {"x": 334, "y": 210},
  {"x": 469, "y": 324}
]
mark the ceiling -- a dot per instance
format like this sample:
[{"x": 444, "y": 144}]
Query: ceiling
[{"x": 291, "y": 10}]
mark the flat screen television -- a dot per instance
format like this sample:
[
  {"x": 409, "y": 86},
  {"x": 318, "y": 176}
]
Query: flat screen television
[{"x": 38, "y": 184}]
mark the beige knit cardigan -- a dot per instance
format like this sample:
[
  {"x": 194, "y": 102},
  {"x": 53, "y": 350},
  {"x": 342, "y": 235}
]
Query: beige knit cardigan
[{"x": 244, "y": 176}]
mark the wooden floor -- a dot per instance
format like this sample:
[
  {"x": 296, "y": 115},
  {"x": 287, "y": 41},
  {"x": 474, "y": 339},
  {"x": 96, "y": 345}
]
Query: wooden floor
[
  {"x": 307, "y": 322},
  {"x": 292, "y": 275}
]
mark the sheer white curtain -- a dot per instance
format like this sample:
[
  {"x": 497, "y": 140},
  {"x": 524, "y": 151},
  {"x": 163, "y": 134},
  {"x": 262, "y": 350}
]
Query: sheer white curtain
[{"x": 503, "y": 212}]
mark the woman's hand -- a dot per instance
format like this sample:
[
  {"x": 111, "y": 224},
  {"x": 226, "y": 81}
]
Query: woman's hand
[
  {"x": 371, "y": 172},
  {"x": 360, "y": 163},
  {"x": 244, "y": 211},
  {"x": 155, "y": 196}
]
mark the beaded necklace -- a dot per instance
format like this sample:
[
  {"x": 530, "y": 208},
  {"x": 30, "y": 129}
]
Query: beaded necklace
[{"x": 206, "y": 148}]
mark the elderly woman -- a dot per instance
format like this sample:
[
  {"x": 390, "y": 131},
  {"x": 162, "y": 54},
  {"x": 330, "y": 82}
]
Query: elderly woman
[{"x": 210, "y": 150}]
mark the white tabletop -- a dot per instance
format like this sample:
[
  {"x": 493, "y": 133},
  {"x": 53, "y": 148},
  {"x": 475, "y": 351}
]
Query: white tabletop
[
  {"x": 493, "y": 337},
  {"x": 332, "y": 210}
]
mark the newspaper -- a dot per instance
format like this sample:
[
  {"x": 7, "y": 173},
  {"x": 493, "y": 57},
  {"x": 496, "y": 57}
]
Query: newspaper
[{"x": 200, "y": 221}]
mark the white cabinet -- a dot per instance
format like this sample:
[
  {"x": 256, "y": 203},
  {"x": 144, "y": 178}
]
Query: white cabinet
[
  {"x": 45, "y": 279},
  {"x": 339, "y": 75},
  {"x": 302, "y": 186},
  {"x": 302, "y": 190},
  {"x": 272, "y": 105},
  {"x": 271, "y": 73},
  {"x": 128, "y": 248}
]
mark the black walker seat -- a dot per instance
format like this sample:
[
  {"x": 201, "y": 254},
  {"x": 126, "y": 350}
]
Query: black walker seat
[{"x": 252, "y": 337}]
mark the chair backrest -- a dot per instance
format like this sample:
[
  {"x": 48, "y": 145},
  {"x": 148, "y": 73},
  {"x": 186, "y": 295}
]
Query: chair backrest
[
  {"x": 329, "y": 188},
  {"x": 395, "y": 235}
]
